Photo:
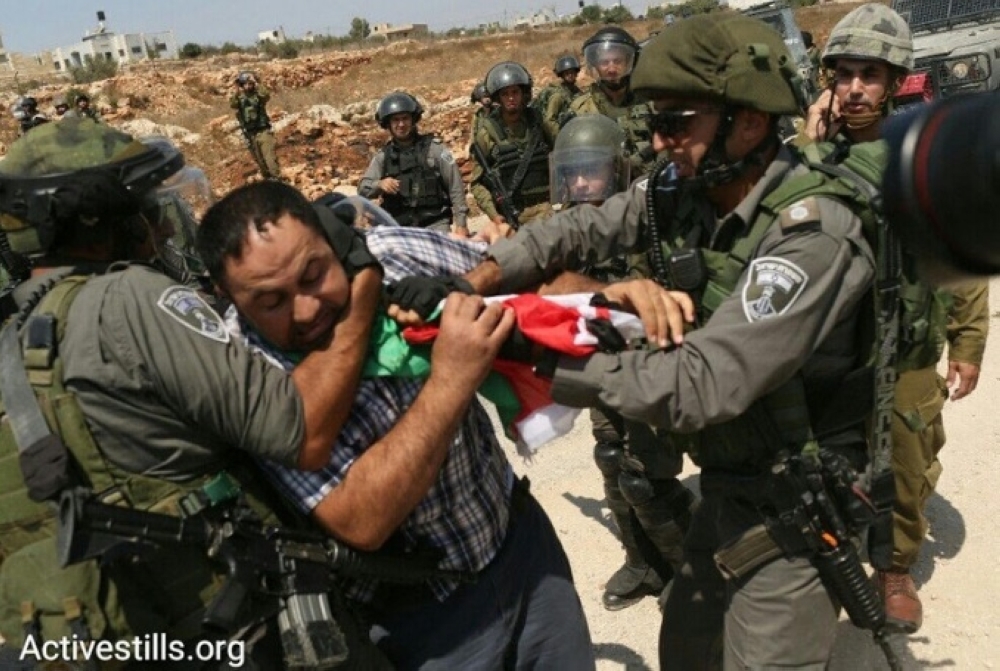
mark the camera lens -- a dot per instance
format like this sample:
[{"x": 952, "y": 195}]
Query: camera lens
[{"x": 941, "y": 186}]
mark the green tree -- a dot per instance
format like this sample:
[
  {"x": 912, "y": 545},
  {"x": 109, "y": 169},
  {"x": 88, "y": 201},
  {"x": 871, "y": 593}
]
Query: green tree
[
  {"x": 589, "y": 14},
  {"x": 617, "y": 14},
  {"x": 229, "y": 48},
  {"x": 359, "y": 29},
  {"x": 191, "y": 50}
]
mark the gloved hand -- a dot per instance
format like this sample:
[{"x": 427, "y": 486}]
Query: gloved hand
[
  {"x": 519, "y": 348},
  {"x": 423, "y": 294},
  {"x": 337, "y": 218}
]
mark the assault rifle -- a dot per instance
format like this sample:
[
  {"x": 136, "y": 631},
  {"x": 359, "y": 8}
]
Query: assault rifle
[
  {"x": 498, "y": 190},
  {"x": 272, "y": 572},
  {"x": 809, "y": 493}
]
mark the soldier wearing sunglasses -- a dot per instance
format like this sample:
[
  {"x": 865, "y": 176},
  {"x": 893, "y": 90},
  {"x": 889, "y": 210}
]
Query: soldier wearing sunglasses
[{"x": 753, "y": 331}]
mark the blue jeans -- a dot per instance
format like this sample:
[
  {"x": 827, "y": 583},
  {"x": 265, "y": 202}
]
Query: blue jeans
[{"x": 522, "y": 612}]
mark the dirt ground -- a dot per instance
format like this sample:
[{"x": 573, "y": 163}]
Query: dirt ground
[{"x": 957, "y": 574}]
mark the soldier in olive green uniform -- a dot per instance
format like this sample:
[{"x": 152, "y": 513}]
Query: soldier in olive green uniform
[
  {"x": 140, "y": 380},
  {"x": 250, "y": 102},
  {"x": 483, "y": 104},
  {"x": 415, "y": 175},
  {"x": 777, "y": 310},
  {"x": 611, "y": 54},
  {"x": 870, "y": 52},
  {"x": 554, "y": 100},
  {"x": 515, "y": 143}
]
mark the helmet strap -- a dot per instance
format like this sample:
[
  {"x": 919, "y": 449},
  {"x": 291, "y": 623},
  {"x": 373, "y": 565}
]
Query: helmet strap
[{"x": 715, "y": 168}]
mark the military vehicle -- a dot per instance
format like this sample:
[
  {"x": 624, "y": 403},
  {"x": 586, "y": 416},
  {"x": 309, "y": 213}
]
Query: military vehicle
[
  {"x": 779, "y": 16},
  {"x": 956, "y": 43}
]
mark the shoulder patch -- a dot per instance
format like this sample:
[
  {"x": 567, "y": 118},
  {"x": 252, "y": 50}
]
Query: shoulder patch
[
  {"x": 773, "y": 285},
  {"x": 798, "y": 214},
  {"x": 642, "y": 184},
  {"x": 187, "y": 307},
  {"x": 446, "y": 156}
]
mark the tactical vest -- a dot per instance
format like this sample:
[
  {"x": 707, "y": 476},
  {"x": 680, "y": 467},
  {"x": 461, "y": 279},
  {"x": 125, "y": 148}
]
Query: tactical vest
[
  {"x": 540, "y": 102},
  {"x": 923, "y": 315},
  {"x": 508, "y": 153},
  {"x": 631, "y": 118},
  {"x": 97, "y": 599},
  {"x": 782, "y": 420},
  {"x": 421, "y": 199},
  {"x": 251, "y": 113}
]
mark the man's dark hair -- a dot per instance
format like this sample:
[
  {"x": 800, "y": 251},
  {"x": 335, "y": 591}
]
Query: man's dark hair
[{"x": 223, "y": 231}]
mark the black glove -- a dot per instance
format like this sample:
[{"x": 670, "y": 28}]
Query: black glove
[
  {"x": 518, "y": 347},
  {"x": 423, "y": 294},
  {"x": 337, "y": 218},
  {"x": 609, "y": 339}
]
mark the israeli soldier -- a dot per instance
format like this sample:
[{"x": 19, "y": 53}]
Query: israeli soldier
[
  {"x": 84, "y": 109},
  {"x": 60, "y": 105},
  {"x": 516, "y": 146},
  {"x": 774, "y": 282},
  {"x": 553, "y": 101},
  {"x": 415, "y": 175},
  {"x": 610, "y": 54},
  {"x": 869, "y": 54},
  {"x": 638, "y": 464},
  {"x": 483, "y": 104},
  {"x": 30, "y": 116},
  {"x": 146, "y": 395},
  {"x": 250, "y": 103}
]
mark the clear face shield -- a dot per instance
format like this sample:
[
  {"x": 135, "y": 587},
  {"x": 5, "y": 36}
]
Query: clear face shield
[
  {"x": 609, "y": 61},
  {"x": 586, "y": 175}
]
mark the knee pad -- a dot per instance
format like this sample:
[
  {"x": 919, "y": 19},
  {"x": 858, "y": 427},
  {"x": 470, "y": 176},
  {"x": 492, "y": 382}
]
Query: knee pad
[{"x": 608, "y": 457}]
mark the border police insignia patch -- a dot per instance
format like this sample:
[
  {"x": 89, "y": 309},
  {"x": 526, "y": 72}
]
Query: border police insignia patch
[
  {"x": 773, "y": 285},
  {"x": 191, "y": 310}
]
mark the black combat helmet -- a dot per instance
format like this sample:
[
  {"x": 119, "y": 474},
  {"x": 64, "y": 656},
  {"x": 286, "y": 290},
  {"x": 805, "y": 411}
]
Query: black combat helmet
[
  {"x": 508, "y": 73},
  {"x": 479, "y": 93},
  {"x": 396, "y": 103},
  {"x": 566, "y": 63},
  {"x": 28, "y": 104},
  {"x": 611, "y": 42}
]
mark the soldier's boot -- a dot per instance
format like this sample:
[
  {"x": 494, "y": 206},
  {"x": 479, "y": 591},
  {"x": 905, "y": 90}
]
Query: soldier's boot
[
  {"x": 903, "y": 610},
  {"x": 663, "y": 508},
  {"x": 635, "y": 579}
]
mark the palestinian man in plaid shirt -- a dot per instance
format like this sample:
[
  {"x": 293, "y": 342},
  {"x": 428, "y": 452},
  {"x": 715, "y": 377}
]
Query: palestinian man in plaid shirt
[{"x": 417, "y": 467}]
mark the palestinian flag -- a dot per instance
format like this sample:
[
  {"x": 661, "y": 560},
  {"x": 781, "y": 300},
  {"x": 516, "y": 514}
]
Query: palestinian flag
[{"x": 523, "y": 400}]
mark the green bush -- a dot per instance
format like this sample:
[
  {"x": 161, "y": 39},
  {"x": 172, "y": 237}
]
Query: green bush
[
  {"x": 94, "y": 69},
  {"x": 191, "y": 50}
]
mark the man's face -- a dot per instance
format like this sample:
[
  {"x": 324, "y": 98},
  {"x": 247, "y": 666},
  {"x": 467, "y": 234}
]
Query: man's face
[
  {"x": 401, "y": 125},
  {"x": 612, "y": 64},
  {"x": 860, "y": 85},
  {"x": 511, "y": 98},
  {"x": 569, "y": 76},
  {"x": 589, "y": 183},
  {"x": 288, "y": 284},
  {"x": 689, "y": 133},
  {"x": 82, "y": 104}
]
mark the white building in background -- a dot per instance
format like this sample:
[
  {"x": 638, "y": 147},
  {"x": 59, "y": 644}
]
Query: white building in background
[
  {"x": 103, "y": 44},
  {"x": 277, "y": 36}
]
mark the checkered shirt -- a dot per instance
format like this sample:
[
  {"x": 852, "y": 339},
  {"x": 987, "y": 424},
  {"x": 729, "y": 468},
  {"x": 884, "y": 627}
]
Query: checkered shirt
[{"x": 464, "y": 515}]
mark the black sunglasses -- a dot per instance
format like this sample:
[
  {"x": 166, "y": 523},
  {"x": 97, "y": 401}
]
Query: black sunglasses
[{"x": 670, "y": 123}]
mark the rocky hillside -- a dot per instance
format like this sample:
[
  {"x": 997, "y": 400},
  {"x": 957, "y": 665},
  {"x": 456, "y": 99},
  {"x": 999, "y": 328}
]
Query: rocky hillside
[{"x": 323, "y": 104}]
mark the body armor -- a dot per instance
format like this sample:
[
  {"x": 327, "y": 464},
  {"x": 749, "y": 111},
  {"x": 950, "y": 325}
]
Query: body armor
[
  {"x": 507, "y": 155},
  {"x": 421, "y": 199},
  {"x": 252, "y": 114}
]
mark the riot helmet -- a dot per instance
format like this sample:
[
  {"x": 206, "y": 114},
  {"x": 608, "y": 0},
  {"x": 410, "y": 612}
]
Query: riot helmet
[
  {"x": 508, "y": 73},
  {"x": 872, "y": 31},
  {"x": 244, "y": 78},
  {"x": 611, "y": 54},
  {"x": 397, "y": 102},
  {"x": 59, "y": 102},
  {"x": 28, "y": 104},
  {"x": 77, "y": 182},
  {"x": 730, "y": 60},
  {"x": 564, "y": 64},
  {"x": 588, "y": 163}
]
